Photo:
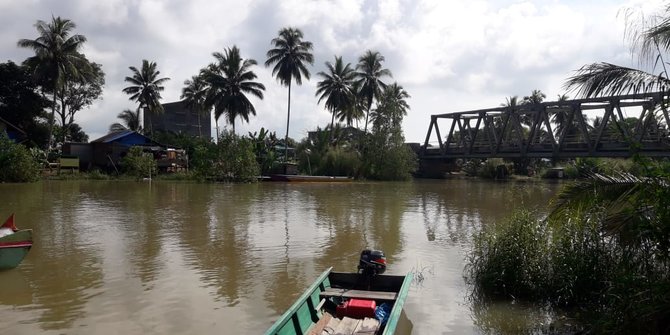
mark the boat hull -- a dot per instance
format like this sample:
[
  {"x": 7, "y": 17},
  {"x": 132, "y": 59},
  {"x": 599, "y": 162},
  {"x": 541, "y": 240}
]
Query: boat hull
[
  {"x": 14, "y": 248},
  {"x": 304, "y": 314}
]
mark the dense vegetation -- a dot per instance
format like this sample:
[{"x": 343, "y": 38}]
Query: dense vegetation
[
  {"x": 17, "y": 163},
  {"x": 603, "y": 253},
  {"x": 60, "y": 71}
]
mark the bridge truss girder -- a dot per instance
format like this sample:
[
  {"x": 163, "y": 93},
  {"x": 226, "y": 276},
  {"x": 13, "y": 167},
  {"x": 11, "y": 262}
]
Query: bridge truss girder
[{"x": 558, "y": 129}]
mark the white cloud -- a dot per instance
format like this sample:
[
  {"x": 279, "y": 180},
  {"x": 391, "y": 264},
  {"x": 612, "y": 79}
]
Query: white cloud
[{"x": 449, "y": 55}]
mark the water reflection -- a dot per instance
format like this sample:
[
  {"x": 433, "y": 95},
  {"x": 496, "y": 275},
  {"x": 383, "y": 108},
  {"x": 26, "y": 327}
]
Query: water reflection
[
  {"x": 503, "y": 318},
  {"x": 176, "y": 258}
]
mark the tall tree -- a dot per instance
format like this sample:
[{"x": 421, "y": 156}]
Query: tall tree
[
  {"x": 129, "y": 121},
  {"x": 560, "y": 118},
  {"x": 650, "y": 37},
  {"x": 229, "y": 81},
  {"x": 21, "y": 104},
  {"x": 193, "y": 93},
  {"x": 370, "y": 72},
  {"x": 535, "y": 97},
  {"x": 388, "y": 157},
  {"x": 337, "y": 88},
  {"x": 77, "y": 93},
  {"x": 392, "y": 108},
  {"x": 290, "y": 57},
  {"x": 57, "y": 57},
  {"x": 146, "y": 88}
]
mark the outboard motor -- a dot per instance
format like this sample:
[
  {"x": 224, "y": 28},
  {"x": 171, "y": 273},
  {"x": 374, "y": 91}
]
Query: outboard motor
[{"x": 372, "y": 262}]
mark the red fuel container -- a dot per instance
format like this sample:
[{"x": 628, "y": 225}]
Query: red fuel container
[{"x": 357, "y": 309}]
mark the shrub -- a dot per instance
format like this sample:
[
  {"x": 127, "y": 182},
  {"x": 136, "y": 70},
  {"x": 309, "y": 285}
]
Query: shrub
[
  {"x": 231, "y": 159},
  {"x": 139, "y": 164},
  {"x": 17, "y": 164},
  {"x": 339, "y": 162},
  {"x": 509, "y": 259},
  {"x": 493, "y": 168},
  {"x": 611, "y": 268}
]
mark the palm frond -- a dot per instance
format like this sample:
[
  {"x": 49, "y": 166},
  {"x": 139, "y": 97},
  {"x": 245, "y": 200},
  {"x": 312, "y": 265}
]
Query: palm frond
[
  {"x": 605, "y": 79},
  {"x": 623, "y": 199}
]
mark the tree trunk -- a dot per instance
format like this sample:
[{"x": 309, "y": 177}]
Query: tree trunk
[
  {"x": 63, "y": 118},
  {"x": 51, "y": 121},
  {"x": 332, "y": 129},
  {"x": 367, "y": 114},
  {"x": 288, "y": 118},
  {"x": 199, "y": 125}
]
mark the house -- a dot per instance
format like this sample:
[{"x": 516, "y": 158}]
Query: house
[
  {"x": 108, "y": 151},
  {"x": 179, "y": 119}
]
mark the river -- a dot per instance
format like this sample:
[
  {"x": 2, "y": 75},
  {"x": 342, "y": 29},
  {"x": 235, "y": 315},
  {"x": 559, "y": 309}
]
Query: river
[{"x": 122, "y": 257}]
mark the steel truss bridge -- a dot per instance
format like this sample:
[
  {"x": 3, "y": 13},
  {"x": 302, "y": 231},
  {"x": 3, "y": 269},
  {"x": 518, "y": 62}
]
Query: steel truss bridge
[{"x": 618, "y": 126}]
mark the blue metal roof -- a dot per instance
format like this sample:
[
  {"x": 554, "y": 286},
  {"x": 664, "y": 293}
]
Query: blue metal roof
[{"x": 126, "y": 137}]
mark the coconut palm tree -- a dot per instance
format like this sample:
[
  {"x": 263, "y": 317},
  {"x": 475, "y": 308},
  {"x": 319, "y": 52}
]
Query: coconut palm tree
[
  {"x": 56, "y": 57},
  {"x": 370, "y": 72},
  {"x": 635, "y": 208},
  {"x": 354, "y": 113},
  {"x": 392, "y": 106},
  {"x": 194, "y": 93},
  {"x": 146, "y": 88},
  {"x": 536, "y": 97},
  {"x": 229, "y": 81},
  {"x": 337, "y": 88},
  {"x": 651, "y": 41},
  {"x": 560, "y": 118},
  {"x": 129, "y": 121},
  {"x": 289, "y": 57}
]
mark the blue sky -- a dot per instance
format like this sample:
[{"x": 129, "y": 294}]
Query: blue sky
[{"x": 449, "y": 55}]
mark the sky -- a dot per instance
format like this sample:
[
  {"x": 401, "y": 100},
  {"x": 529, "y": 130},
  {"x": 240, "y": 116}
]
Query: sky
[{"x": 450, "y": 56}]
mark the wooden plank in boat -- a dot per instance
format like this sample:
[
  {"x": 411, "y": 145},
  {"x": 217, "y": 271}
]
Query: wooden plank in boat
[
  {"x": 330, "y": 327},
  {"x": 359, "y": 294},
  {"x": 368, "y": 326},
  {"x": 347, "y": 326},
  {"x": 318, "y": 328}
]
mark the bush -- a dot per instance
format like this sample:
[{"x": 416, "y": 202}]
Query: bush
[
  {"x": 567, "y": 261},
  {"x": 17, "y": 164},
  {"x": 139, "y": 164},
  {"x": 339, "y": 162},
  {"x": 231, "y": 159},
  {"x": 493, "y": 168},
  {"x": 509, "y": 259}
]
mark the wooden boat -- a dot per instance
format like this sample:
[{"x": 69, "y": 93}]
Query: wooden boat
[
  {"x": 15, "y": 246},
  {"x": 313, "y": 313},
  {"x": 306, "y": 178}
]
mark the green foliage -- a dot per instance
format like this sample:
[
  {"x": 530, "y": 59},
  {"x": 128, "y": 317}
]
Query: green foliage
[
  {"x": 328, "y": 153},
  {"x": 493, "y": 168},
  {"x": 264, "y": 143},
  {"x": 385, "y": 155},
  {"x": 231, "y": 159},
  {"x": 228, "y": 82},
  {"x": 17, "y": 164},
  {"x": 22, "y": 105},
  {"x": 509, "y": 258},
  {"x": 183, "y": 141},
  {"x": 78, "y": 92},
  {"x": 139, "y": 164},
  {"x": 604, "y": 252},
  {"x": 338, "y": 161},
  {"x": 471, "y": 166}
]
